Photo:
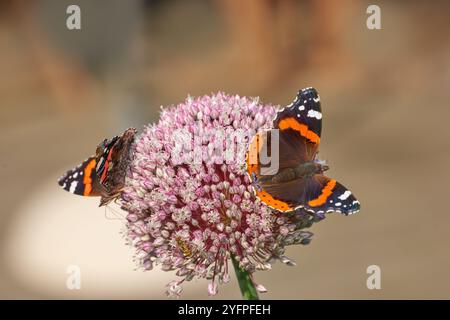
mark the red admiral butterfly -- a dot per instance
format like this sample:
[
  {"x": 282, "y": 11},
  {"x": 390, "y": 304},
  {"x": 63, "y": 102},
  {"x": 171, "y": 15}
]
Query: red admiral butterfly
[
  {"x": 103, "y": 174},
  {"x": 299, "y": 181}
]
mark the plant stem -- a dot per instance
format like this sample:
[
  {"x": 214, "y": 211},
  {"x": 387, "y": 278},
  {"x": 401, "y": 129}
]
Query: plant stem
[{"x": 248, "y": 289}]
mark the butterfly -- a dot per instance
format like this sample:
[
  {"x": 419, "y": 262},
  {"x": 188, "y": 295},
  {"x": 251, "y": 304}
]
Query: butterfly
[
  {"x": 298, "y": 181},
  {"x": 103, "y": 174}
]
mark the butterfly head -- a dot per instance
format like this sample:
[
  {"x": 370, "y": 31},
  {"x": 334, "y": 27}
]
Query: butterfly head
[{"x": 321, "y": 165}]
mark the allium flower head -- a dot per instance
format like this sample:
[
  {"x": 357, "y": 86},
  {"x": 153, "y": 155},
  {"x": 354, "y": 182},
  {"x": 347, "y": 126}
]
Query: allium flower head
[{"x": 190, "y": 203}]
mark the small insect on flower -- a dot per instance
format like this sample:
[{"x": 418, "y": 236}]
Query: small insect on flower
[{"x": 184, "y": 247}]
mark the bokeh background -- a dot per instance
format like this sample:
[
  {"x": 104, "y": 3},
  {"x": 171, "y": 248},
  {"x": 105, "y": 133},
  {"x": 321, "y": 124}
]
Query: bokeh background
[{"x": 385, "y": 98}]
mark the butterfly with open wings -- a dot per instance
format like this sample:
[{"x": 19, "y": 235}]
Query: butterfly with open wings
[{"x": 299, "y": 181}]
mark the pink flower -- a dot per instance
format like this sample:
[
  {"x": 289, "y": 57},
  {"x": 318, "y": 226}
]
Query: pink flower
[{"x": 190, "y": 202}]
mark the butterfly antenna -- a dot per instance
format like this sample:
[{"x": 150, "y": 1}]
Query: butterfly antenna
[{"x": 116, "y": 214}]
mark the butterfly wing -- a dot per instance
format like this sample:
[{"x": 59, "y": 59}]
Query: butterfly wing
[
  {"x": 299, "y": 128},
  {"x": 318, "y": 194},
  {"x": 324, "y": 195},
  {"x": 284, "y": 197},
  {"x": 301, "y": 122},
  {"x": 307, "y": 111},
  {"x": 104, "y": 156},
  {"x": 82, "y": 180},
  {"x": 113, "y": 159}
]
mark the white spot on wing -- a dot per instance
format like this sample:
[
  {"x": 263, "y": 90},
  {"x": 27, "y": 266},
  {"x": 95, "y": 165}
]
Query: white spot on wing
[
  {"x": 345, "y": 195},
  {"x": 73, "y": 186},
  {"x": 100, "y": 163},
  {"x": 314, "y": 114}
]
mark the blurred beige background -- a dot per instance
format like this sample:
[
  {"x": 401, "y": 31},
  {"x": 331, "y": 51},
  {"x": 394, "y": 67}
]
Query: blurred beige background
[{"x": 385, "y": 96}]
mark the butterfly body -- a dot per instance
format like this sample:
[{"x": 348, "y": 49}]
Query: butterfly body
[
  {"x": 103, "y": 174},
  {"x": 303, "y": 170},
  {"x": 297, "y": 180}
]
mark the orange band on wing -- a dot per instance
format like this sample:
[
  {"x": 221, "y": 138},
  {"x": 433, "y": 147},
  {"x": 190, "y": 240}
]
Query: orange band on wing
[
  {"x": 253, "y": 154},
  {"x": 292, "y": 123},
  {"x": 87, "y": 180},
  {"x": 272, "y": 202},
  {"x": 326, "y": 192},
  {"x": 252, "y": 167}
]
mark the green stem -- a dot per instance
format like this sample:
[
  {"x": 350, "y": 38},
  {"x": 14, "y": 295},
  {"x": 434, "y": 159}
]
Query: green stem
[{"x": 248, "y": 289}]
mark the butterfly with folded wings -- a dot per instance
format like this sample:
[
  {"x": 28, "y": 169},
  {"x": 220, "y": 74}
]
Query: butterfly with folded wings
[{"x": 103, "y": 174}]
